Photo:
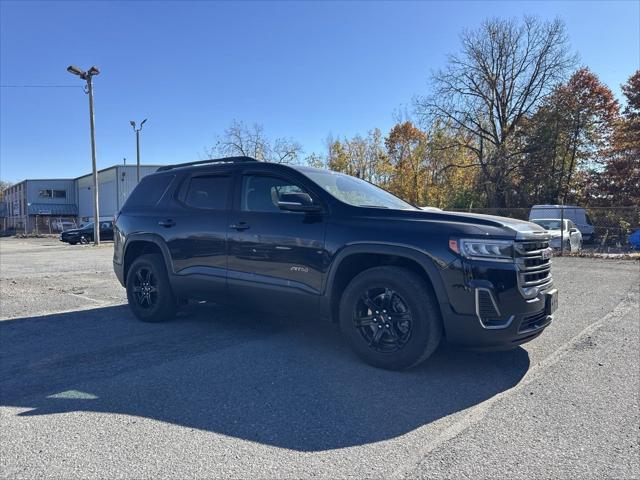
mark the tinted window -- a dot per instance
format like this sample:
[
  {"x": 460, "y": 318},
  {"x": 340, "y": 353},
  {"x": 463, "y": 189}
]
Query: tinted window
[
  {"x": 208, "y": 192},
  {"x": 149, "y": 191},
  {"x": 262, "y": 194}
]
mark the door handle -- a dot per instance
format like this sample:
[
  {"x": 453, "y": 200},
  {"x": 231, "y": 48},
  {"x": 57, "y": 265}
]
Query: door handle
[
  {"x": 239, "y": 226},
  {"x": 167, "y": 223}
]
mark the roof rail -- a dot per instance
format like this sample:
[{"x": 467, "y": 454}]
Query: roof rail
[{"x": 210, "y": 161}]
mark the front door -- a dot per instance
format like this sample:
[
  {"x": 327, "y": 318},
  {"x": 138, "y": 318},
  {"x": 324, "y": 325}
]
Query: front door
[{"x": 276, "y": 257}]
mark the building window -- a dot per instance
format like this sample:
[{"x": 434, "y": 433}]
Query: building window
[{"x": 49, "y": 193}]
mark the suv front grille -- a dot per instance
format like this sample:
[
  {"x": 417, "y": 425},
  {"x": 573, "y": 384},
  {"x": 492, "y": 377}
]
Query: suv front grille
[{"x": 534, "y": 262}]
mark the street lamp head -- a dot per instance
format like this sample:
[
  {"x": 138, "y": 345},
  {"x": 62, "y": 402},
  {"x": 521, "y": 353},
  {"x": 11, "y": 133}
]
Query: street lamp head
[
  {"x": 133, "y": 124},
  {"x": 93, "y": 71},
  {"x": 76, "y": 71},
  {"x": 142, "y": 122}
]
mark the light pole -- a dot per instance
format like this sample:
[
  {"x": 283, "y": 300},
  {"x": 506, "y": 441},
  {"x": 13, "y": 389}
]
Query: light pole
[
  {"x": 88, "y": 76},
  {"x": 137, "y": 130}
]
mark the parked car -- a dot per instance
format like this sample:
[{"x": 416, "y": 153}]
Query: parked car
[
  {"x": 569, "y": 234},
  {"x": 634, "y": 239},
  {"x": 61, "y": 225},
  {"x": 398, "y": 279},
  {"x": 578, "y": 215},
  {"x": 85, "y": 233}
]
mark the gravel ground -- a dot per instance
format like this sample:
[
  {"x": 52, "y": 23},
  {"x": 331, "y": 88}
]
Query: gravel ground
[{"x": 87, "y": 391}]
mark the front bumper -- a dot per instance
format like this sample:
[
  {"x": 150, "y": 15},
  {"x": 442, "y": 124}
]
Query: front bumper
[
  {"x": 499, "y": 304},
  {"x": 118, "y": 269},
  {"x": 521, "y": 327}
]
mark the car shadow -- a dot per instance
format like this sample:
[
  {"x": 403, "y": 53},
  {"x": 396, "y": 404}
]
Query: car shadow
[{"x": 286, "y": 382}]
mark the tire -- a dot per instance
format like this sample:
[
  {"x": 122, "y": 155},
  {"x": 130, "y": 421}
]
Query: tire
[
  {"x": 84, "y": 240},
  {"x": 72, "y": 243},
  {"x": 149, "y": 291},
  {"x": 412, "y": 328}
]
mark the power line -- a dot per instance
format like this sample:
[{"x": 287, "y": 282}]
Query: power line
[{"x": 40, "y": 86}]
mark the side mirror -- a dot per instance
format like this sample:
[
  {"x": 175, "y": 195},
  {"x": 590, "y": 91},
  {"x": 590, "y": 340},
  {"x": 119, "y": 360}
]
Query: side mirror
[
  {"x": 573, "y": 230},
  {"x": 298, "y": 207},
  {"x": 297, "y": 202}
]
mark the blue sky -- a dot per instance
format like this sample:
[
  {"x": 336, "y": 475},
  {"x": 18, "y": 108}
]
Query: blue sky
[{"x": 302, "y": 69}]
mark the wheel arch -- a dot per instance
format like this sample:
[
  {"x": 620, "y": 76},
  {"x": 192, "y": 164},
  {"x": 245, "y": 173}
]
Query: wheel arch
[
  {"x": 141, "y": 244},
  {"x": 354, "y": 259}
]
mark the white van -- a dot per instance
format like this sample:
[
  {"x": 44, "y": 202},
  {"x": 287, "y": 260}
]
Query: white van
[{"x": 574, "y": 213}]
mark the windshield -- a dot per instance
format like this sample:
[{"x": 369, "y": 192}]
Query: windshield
[
  {"x": 355, "y": 191},
  {"x": 548, "y": 224},
  {"x": 88, "y": 226}
]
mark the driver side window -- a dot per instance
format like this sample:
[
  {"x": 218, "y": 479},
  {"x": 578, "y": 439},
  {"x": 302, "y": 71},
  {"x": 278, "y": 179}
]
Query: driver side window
[{"x": 262, "y": 193}]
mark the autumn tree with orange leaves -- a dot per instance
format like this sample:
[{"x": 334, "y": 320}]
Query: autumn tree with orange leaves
[{"x": 569, "y": 135}]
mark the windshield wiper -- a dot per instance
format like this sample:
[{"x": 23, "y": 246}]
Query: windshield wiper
[{"x": 372, "y": 206}]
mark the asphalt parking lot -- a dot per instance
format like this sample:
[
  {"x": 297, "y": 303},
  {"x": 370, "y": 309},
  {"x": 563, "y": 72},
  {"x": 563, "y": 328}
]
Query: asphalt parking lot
[{"x": 86, "y": 391}]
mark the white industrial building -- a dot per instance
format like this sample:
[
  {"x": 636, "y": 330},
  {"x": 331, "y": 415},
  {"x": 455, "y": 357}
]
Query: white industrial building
[{"x": 49, "y": 205}]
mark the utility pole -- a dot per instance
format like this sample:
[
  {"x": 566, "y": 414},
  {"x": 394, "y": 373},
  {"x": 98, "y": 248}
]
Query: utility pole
[
  {"x": 137, "y": 130},
  {"x": 88, "y": 77}
]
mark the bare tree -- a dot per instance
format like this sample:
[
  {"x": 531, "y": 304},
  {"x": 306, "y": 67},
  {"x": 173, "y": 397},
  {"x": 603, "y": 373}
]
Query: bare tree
[
  {"x": 504, "y": 69},
  {"x": 3, "y": 186},
  {"x": 241, "y": 140},
  {"x": 285, "y": 150},
  {"x": 250, "y": 141}
]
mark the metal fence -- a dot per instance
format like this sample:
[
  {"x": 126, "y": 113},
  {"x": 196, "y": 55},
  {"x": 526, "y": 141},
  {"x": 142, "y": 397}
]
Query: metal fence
[
  {"x": 604, "y": 229},
  {"x": 37, "y": 224}
]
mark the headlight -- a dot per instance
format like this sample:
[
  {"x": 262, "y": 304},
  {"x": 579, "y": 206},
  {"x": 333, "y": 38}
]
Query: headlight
[{"x": 481, "y": 249}]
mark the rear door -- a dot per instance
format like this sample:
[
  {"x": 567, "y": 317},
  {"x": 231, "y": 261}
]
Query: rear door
[
  {"x": 276, "y": 257},
  {"x": 196, "y": 234}
]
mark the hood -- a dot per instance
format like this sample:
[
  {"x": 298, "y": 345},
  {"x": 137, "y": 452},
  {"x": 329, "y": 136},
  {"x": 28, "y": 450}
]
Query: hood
[
  {"x": 477, "y": 224},
  {"x": 522, "y": 229}
]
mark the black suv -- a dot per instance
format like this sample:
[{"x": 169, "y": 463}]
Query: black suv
[{"x": 398, "y": 279}]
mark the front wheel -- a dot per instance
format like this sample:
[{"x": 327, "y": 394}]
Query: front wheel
[
  {"x": 148, "y": 290},
  {"x": 391, "y": 317}
]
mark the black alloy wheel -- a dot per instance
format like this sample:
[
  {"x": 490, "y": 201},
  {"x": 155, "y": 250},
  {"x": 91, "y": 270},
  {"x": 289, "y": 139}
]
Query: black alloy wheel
[
  {"x": 149, "y": 292},
  {"x": 391, "y": 317},
  {"x": 145, "y": 288},
  {"x": 383, "y": 319}
]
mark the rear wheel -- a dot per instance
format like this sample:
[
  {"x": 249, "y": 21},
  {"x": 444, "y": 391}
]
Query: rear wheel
[
  {"x": 148, "y": 290},
  {"x": 391, "y": 317},
  {"x": 84, "y": 240}
]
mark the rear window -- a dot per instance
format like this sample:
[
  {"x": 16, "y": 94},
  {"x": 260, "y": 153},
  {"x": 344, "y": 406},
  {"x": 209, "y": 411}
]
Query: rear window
[
  {"x": 149, "y": 191},
  {"x": 208, "y": 192}
]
